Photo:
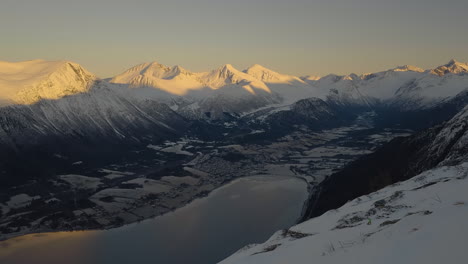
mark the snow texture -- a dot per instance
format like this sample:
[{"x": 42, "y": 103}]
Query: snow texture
[{"x": 421, "y": 220}]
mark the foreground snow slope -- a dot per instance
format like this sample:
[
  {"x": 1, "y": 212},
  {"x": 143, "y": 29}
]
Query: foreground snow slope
[{"x": 421, "y": 220}]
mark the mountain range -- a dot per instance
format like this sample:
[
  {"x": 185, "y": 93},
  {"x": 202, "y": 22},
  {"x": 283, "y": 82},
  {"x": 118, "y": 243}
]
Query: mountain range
[
  {"x": 78, "y": 152},
  {"x": 63, "y": 106}
]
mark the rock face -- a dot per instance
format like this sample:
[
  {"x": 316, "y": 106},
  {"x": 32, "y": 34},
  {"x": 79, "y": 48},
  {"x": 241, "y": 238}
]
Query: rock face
[{"x": 402, "y": 158}]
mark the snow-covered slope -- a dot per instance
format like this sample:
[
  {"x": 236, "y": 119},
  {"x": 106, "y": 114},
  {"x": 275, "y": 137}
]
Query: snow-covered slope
[
  {"x": 289, "y": 88},
  {"x": 421, "y": 220},
  {"x": 450, "y": 144},
  {"x": 173, "y": 80},
  {"x": 198, "y": 95},
  {"x": 222, "y": 90},
  {"x": 227, "y": 75},
  {"x": 178, "y": 81},
  {"x": 61, "y": 99},
  {"x": 101, "y": 113},
  {"x": 406, "y": 87},
  {"x": 400, "y": 159},
  {"x": 268, "y": 76},
  {"x": 454, "y": 67},
  {"x": 30, "y": 81}
]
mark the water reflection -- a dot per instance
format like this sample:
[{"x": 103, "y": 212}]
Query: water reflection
[{"x": 246, "y": 211}]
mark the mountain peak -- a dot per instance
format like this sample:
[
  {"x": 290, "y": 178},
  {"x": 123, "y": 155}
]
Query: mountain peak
[
  {"x": 453, "y": 67},
  {"x": 157, "y": 64},
  {"x": 227, "y": 71},
  {"x": 311, "y": 78},
  {"x": 27, "y": 82},
  {"x": 228, "y": 67},
  {"x": 405, "y": 68},
  {"x": 257, "y": 67},
  {"x": 269, "y": 76},
  {"x": 452, "y": 62}
]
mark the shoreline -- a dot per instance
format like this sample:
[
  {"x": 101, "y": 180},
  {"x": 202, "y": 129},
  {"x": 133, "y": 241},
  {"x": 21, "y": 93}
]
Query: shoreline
[{"x": 195, "y": 199}]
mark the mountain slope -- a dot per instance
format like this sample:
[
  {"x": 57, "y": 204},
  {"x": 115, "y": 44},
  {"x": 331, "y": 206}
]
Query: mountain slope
[
  {"x": 421, "y": 220},
  {"x": 30, "y": 81},
  {"x": 268, "y": 76},
  {"x": 453, "y": 67},
  {"x": 404, "y": 88},
  {"x": 398, "y": 160},
  {"x": 290, "y": 88},
  {"x": 174, "y": 81},
  {"x": 226, "y": 89}
]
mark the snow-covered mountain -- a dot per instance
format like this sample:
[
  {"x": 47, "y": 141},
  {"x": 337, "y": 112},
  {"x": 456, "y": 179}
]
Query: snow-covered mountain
[
  {"x": 289, "y": 88},
  {"x": 30, "y": 81},
  {"x": 193, "y": 94},
  {"x": 421, "y": 220},
  {"x": 404, "y": 87},
  {"x": 173, "y": 80},
  {"x": 63, "y": 99},
  {"x": 57, "y": 114},
  {"x": 198, "y": 95},
  {"x": 62, "y": 95},
  {"x": 59, "y": 108},
  {"x": 453, "y": 67},
  {"x": 268, "y": 76}
]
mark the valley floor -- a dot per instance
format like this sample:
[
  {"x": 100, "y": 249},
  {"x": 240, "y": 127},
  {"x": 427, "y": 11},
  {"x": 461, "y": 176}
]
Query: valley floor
[{"x": 161, "y": 178}]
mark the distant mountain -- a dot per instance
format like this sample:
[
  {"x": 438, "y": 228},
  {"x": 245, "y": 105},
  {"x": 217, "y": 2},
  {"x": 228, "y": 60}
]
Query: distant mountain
[
  {"x": 30, "y": 81},
  {"x": 453, "y": 67},
  {"x": 198, "y": 95},
  {"x": 193, "y": 94},
  {"x": 175, "y": 80},
  {"x": 407, "y": 86},
  {"x": 56, "y": 118},
  {"x": 406, "y": 68},
  {"x": 63, "y": 106},
  {"x": 268, "y": 76}
]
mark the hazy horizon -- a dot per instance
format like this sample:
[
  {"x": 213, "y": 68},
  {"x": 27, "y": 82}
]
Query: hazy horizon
[
  {"x": 266, "y": 66},
  {"x": 298, "y": 38}
]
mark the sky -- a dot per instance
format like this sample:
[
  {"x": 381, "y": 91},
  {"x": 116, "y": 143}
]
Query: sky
[{"x": 298, "y": 37}]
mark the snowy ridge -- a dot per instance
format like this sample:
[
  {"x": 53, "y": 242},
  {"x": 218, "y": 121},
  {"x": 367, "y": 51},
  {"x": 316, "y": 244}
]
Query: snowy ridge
[
  {"x": 421, "y": 220},
  {"x": 30, "y": 81},
  {"x": 228, "y": 75},
  {"x": 405, "y": 68},
  {"x": 175, "y": 80},
  {"x": 453, "y": 67},
  {"x": 268, "y": 76},
  {"x": 227, "y": 89}
]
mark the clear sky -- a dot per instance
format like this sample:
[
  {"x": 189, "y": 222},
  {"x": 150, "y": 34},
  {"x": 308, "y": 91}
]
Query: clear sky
[{"x": 298, "y": 37}]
